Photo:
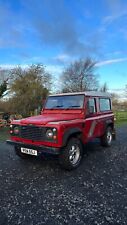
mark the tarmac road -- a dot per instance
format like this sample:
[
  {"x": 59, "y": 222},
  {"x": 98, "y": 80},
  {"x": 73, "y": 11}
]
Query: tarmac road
[{"x": 37, "y": 191}]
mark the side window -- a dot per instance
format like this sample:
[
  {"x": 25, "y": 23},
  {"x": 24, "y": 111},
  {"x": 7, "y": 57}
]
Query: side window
[
  {"x": 105, "y": 104},
  {"x": 91, "y": 106}
]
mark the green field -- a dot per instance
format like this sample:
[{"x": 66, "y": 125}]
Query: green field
[{"x": 121, "y": 117}]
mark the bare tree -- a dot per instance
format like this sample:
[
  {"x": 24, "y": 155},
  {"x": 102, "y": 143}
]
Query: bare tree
[
  {"x": 104, "y": 87},
  {"x": 126, "y": 90},
  {"x": 3, "y": 88},
  {"x": 4, "y": 81},
  {"x": 80, "y": 76},
  {"x": 115, "y": 101}
]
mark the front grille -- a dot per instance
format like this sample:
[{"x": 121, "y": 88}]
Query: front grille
[{"x": 32, "y": 133}]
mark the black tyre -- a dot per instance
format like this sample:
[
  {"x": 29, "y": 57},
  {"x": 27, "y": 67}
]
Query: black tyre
[
  {"x": 71, "y": 154},
  {"x": 20, "y": 154},
  {"x": 106, "y": 139}
]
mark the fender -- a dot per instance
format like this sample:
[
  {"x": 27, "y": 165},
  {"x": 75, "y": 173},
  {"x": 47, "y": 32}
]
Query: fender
[
  {"x": 107, "y": 123},
  {"x": 110, "y": 122},
  {"x": 69, "y": 132}
]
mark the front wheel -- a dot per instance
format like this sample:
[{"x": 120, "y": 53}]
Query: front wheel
[
  {"x": 71, "y": 154},
  {"x": 106, "y": 139}
]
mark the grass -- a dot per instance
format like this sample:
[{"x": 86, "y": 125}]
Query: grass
[
  {"x": 121, "y": 118},
  {"x": 120, "y": 123},
  {"x": 121, "y": 115},
  {"x": 4, "y": 133}
]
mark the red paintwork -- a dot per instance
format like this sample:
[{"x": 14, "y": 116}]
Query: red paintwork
[
  {"x": 63, "y": 120},
  {"x": 51, "y": 116}
]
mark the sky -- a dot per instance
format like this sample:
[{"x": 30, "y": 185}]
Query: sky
[{"x": 58, "y": 32}]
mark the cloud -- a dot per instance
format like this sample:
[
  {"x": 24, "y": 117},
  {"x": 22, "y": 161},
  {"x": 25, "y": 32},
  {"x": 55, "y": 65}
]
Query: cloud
[
  {"x": 54, "y": 69},
  {"x": 56, "y": 26},
  {"x": 115, "y": 54},
  {"x": 60, "y": 30},
  {"x": 111, "y": 61},
  {"x": 63, "y": 58},
  {"x": 117, "y": 9},
  {"x": 49, "y": 24},
  {"x": 12, "y": 66},
  {"x": 11, "y": 27},
  {"x": 109, "y": 19},
  {"x": 116, "y": 6}
]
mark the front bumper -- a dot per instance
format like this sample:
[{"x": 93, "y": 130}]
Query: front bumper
[{"x": 40, "y": 149}]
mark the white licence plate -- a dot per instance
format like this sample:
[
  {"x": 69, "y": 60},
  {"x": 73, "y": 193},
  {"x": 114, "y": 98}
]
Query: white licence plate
[{"x": 29, "y": 151}]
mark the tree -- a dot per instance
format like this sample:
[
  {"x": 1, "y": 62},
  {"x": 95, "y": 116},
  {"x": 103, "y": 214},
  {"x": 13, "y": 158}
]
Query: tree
[
  {"x": 104, "y": 87},
  {"x": 126, "y": 90},
  {"x": 4, "y": 77},
  {"x": 3, "y": 88},
  {"x": 115, "y": 101},
  {"x": 80, "y": 76},
  {"x": 29, "y": 87}
]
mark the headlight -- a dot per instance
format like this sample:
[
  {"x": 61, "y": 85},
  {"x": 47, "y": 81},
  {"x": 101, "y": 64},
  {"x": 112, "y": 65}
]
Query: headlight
[
  {"x": 51, "y": 133},
  {"x": 16, "y": 130}
]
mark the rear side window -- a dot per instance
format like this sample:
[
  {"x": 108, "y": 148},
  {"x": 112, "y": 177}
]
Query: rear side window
[
  {"x": 105, "y": 104},
  {"x": 91, "y": 106}
]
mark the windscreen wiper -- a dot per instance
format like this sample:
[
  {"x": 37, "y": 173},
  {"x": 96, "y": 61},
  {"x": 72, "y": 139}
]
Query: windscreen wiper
[
  {"x": 57, "y": 106},
  {"x": 73, "y": 106}
]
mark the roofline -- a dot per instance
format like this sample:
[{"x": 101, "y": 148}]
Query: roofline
[{"x": 86, "y": 93}]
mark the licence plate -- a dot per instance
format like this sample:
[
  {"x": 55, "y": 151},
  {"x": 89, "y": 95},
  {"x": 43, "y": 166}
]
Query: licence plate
[{"x": 29, "y": 151}]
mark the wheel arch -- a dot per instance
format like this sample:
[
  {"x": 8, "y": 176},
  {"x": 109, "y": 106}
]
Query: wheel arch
[
  {"x": 109, "y": 123},
  {"x": 72, "y": 132}
]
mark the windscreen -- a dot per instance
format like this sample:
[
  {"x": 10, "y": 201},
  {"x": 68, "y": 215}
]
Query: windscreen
[{"x": 65, "y": 102}]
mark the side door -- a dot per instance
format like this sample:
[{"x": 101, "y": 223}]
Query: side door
[{"x": 91, "y": 124}]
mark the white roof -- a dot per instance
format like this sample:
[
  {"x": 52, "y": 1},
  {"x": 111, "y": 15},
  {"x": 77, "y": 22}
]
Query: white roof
[{"x": 86, "y": 93}]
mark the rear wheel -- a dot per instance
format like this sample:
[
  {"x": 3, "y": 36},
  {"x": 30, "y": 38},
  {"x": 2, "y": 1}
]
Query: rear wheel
[
  {"x": 71, "y": 154},
  {"x": 106, "y": 139}
]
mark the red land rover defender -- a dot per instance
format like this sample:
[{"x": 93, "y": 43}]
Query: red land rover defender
[{"x": 67, "y": 122}]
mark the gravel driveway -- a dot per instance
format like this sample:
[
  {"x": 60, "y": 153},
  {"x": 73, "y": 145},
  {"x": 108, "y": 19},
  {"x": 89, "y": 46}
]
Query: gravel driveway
[{"x": 37, "y": 191}]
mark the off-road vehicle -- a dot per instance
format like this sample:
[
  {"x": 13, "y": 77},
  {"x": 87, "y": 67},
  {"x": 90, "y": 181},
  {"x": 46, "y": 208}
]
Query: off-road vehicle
[{"x": 67, "y": 122}]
